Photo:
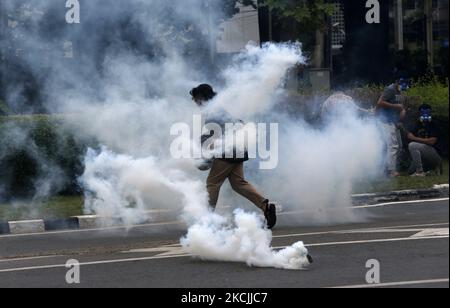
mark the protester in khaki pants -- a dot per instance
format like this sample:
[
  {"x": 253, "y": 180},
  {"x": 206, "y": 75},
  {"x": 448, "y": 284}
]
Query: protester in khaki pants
[
  {"x": 231, "y": 169},
  {"x": 234, "y": 172}
]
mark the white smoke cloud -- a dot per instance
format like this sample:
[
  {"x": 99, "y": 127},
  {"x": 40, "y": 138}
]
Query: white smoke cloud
[
  {"x": 252, "y": 81},
  {"x": 317, "y": 171},
  {"x": 319, "y": 167},
  {"x": 125, "y": 186},
  {"x": 247, "y": 241},
  {"x": 129, "y": 103}
]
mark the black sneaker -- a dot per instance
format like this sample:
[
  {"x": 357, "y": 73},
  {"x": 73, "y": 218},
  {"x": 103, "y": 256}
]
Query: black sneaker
[{"x": 271, "y": 215}]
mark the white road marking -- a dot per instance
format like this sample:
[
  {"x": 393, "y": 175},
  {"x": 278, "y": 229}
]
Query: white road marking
[
  {"x": 167, "y": 250},
  {"x": 401, "y": 202},
  {"x": 162, "y": 256},
  {"x": 176, "y": 249},
  {"x": 181, "y": 223},
  {"x": 29, "y": 258},
  {"x": 89, "y": 263},
  {"x": 356, "y": 207},
  {"x": 394, "y": 284},
  {"x": 372, "y": 241},
  {"x": 359, "y": 230},
  {"x": 432, "y": 232}
]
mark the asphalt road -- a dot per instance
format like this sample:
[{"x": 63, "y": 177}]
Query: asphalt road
[{"x": 409, "y": 240}]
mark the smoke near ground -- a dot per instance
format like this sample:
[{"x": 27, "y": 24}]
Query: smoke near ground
[
  {"x": 248, "y": 241},
  {"x": 130, "y": 84}
]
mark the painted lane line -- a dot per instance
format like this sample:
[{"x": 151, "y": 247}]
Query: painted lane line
[
  {"x": 395, "y": 284},
  {"x": 414, "y": 202},
  {"x": 21, "y": 269},
  {"x": 157, "y": 257},
  {"x": 29, "y": 258},
  {"x": 371, "y": 241},
  {"x": 181, "y": 223},
  {"x": 433, "y": 232},
  {"x": 357, "y": 230}
]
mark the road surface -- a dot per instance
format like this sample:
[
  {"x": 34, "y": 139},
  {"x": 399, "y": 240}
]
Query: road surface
[{"x": 409, "y": 240}]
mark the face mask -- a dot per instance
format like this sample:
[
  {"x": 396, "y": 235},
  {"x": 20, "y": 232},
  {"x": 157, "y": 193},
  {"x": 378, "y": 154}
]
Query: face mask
[
  {"x": 425, "y": 116},
  {"x": 403, "y": 85}
]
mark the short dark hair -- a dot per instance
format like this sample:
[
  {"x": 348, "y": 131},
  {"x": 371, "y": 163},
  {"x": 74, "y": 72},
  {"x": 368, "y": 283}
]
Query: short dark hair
[{"x": 204, "y": 91}]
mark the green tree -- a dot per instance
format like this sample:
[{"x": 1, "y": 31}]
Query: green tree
[{"x": 311, "y": 16}]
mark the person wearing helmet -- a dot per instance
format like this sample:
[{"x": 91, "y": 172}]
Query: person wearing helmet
[
  {"x": 423, "y": 146},
  {"x": 232, "y": 169}
]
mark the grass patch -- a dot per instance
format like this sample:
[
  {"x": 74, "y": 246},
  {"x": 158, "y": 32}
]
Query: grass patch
[
  {"x": 403, "y": 183},
  {"x": 53, "y": 208}
]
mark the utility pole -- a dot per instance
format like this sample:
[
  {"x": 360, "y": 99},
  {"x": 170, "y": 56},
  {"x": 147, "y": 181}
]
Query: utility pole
[
  {"x": 3, "y": 29},
  {"x": 270, "y": 25},
  {"x": 399, "y": 38},
  {"x": 429, "y": 32}
]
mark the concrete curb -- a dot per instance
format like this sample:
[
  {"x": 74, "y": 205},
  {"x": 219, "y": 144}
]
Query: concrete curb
[
  {"x": 94, "y": 221},
  {"x": 160, "y": 216},
  {"x": 26, "y": 226},
  {"x": 439, "y": 191}
]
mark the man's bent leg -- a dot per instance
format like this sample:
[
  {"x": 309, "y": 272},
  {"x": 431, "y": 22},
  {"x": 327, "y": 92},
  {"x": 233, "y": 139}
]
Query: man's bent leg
[
  {"x": 416, "y": 156},
  {"x": 429, "y": 156},
  {"x": 244, "y": 188}
]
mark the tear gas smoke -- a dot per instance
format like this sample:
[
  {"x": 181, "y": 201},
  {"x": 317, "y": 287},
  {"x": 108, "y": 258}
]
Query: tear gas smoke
[
  {"x": 128, "y": 101},
  {"x": 125, "y": 187}
]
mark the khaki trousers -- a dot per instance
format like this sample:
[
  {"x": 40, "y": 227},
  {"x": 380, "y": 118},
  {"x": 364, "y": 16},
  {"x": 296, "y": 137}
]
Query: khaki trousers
[{"x": 234, "y": 172}]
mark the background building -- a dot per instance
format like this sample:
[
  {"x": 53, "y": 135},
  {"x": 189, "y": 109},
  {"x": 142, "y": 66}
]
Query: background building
[
  {"x": 411, "y": 40},
  {"x": 238, "y": 31}
]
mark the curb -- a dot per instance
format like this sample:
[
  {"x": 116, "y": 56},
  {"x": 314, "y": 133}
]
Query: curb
[
  {"x": 439, "y": 191},
  {"x": 159, "y": 216},
  {"x": 78, "y": 223},
  {"x": 26, "y": 226}
]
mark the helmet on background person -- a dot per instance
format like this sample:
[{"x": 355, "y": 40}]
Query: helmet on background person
[
  {"x": 425, "y": 113},
  {"x": 404, "y": 84}
]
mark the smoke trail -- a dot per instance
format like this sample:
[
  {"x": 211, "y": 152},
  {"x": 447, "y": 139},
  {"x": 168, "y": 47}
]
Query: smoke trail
[
  {"x": 125, "y": 187},
  {"x": 129, "y": 85},
  {"x": 252, "y": 81},
  {"x": 247, "y": 241},
  {"x": 319, "y": 167}
]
